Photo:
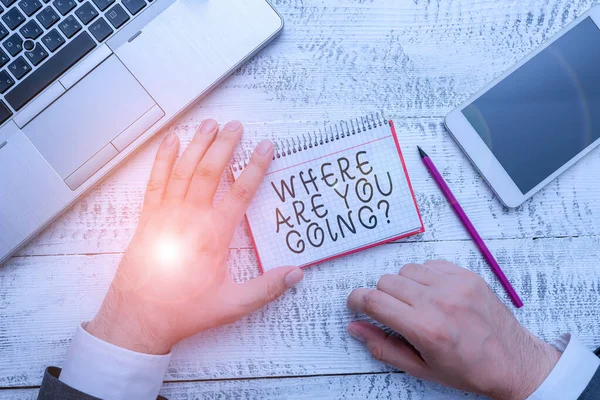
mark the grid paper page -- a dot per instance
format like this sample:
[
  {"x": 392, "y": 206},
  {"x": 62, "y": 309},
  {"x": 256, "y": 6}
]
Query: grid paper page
[{"x": 335, "y": 198}]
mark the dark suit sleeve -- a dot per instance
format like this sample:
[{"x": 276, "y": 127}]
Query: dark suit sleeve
[
  {"x": 54, "y": 389},
  {"x": 592, "y": 391}
]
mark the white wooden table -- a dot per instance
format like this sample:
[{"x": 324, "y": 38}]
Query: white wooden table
[{"x": 415, "y": 59}]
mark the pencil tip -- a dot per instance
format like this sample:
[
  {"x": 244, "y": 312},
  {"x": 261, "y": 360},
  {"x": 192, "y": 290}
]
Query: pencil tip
[{"x": 421, "y": 152}]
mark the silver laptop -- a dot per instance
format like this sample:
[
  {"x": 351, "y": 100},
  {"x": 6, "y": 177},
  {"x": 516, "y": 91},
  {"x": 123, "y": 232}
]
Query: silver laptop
[{"x": 85, "y": 82}]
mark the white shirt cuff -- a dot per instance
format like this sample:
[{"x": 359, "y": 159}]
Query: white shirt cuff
[
  {"x": 571, "y": 375},
  {"x": 101, "y": 369}
]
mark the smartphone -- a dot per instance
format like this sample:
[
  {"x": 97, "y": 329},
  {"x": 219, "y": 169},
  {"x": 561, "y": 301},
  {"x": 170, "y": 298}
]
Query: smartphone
[{"x": 537, "y": 119}]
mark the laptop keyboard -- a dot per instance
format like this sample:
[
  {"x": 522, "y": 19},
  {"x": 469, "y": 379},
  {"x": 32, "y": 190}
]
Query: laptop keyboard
[{"x": 41, "y": 39}]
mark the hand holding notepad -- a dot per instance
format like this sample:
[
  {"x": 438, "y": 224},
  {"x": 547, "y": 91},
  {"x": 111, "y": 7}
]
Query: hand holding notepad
[{"x": 331, "y": 194}]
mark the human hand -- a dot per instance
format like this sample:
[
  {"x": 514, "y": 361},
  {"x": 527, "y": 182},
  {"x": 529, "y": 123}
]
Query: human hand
[
  {"x": 457, "y": 332},
  {"x": 173, "y": 280}
]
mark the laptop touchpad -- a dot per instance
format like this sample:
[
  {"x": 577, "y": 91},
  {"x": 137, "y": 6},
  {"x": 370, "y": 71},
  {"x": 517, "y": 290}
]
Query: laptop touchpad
[{"x": 86, "y": 118}]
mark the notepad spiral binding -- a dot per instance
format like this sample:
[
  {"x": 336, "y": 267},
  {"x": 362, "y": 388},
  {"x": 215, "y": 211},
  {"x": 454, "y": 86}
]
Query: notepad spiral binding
[{"x": 288, "y": 146}]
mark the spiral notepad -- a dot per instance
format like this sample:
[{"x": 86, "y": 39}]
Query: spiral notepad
[{"x": 333, "y": 193}]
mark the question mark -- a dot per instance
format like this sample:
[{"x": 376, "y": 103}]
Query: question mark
[{"x": 387, "y": 209}]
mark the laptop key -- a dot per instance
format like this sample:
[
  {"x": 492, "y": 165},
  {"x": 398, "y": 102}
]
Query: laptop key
[
  {"x": 86, "y": 13},
  {"x": 19, "y": 68},
  {"x": 53, "y": 40},
  {"x": 100, "y": 29},
  {"x": 5, "y": 113},
  {"x": 30, "y": 7},
  {"x": 51, "y": 70},
  {"x": 13, "y": 18},
  {"x": 103, "y": 4},
  {"x": 134, "y": 6},
  {"x": 47, "y": 17},
  {"x": 13, "y": 44},
  {"x": 4, "y": 58},
  {"x": 31, "y": 30},
  {"x": 8, "y": 3},
  {"x": 117, "y": 16},
  {"x": 69, "y": 26},
  {"x": 3, "y": 31},
  {"x": 37, "y": 55},
  {"x": 6, "y": 81},
  {"x": 65, "y": 6}
]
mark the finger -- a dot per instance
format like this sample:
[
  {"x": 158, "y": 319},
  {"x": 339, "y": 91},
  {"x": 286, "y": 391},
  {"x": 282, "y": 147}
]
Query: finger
[
  {"x": 237, "y": 200},
  {"x": 386, "y": 309},
  {"x": 401, "y": 288},
  {"x": 208, "y": 172},
  {"x": 421, "y": 274},
  {"x": 184, "y": 170},
  {"x": 445, "y": 267},
  {"x": 161, "y": 171},
  {"x": 388, "y": 349},
  {"x": 260, "y": 291}
]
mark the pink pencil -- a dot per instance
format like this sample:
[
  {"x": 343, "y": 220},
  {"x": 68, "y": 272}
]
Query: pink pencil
[{"x": 437, "y": 177}]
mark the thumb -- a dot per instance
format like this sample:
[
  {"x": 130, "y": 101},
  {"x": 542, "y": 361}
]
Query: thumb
[
  {"x": 262, "y": 290},
  {"x": 391, "y": 350}
]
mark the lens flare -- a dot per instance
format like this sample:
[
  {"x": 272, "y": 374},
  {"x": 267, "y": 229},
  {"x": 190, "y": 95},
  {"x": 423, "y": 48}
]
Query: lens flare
[{"x": 168, "y": 251}]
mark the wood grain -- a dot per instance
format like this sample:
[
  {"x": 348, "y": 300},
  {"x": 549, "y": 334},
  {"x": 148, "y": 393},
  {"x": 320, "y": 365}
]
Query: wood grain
[
  {"x": 414, "y": 59},
  {"x": 359, "y": 387},
  {"x": 338, "y": 59},
  {"x": 45, "y": 298},
  {"x": 105, "y": 220}
]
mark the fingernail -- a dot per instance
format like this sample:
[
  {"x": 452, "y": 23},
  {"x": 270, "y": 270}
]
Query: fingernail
[
  {"x": 356, "y": 334},
  {"x": 264, "y": 147},
  {"x": 171, "y": 139},
  {"x": 233, "y": 125},
  {"x": 293, "y": 278},
  {"x": 208, "y": 126}
]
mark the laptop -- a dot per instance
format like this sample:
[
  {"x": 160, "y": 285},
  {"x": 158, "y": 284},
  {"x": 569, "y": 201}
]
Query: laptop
[{"x": 83, "y": 83}]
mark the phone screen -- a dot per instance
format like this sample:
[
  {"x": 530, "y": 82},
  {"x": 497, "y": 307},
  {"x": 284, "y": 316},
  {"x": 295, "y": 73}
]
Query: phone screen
[{"x": 546, "y": 112}]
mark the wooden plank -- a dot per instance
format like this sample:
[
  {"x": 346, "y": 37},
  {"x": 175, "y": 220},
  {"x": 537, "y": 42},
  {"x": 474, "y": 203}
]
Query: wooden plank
[
  {"x": 105, "y": 220},
  {"x": 337, "y": 59},
  {"x": 359, "y": 387},
  {"x": 43, "y": 299},
  {"x": 419, "y": 57}
]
